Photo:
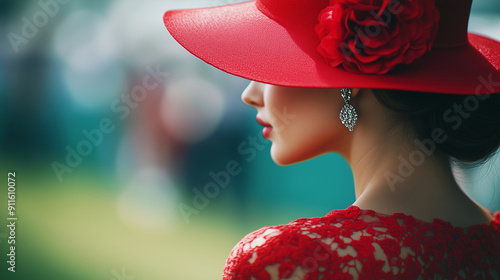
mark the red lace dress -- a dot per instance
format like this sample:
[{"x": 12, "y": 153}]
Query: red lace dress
[{"x": 363, "y": 244}]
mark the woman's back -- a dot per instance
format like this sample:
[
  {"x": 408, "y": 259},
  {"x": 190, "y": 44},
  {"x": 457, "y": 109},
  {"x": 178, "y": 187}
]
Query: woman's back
[{"x": 363, "y": 244}]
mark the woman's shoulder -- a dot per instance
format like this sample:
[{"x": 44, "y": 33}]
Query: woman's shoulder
[
  {"x": 352, "y": 240},
  {"x": 306, "y": 245}
]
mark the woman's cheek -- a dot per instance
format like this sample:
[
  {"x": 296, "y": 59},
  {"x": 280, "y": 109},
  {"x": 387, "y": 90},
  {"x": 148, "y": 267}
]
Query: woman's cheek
[{"x": 301, "y": 140}]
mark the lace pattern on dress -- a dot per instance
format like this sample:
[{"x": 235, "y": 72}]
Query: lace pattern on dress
[{"x": 363, "y": 244}]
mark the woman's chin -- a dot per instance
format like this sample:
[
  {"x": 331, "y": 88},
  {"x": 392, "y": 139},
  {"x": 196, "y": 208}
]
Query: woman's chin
[
  {"x": 284, "y": 158},
  {"x": 280, "y": 157}
]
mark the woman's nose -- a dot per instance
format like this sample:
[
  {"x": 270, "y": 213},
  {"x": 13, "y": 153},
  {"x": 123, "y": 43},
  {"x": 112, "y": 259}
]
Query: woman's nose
[{"x": 253, "y": 94}]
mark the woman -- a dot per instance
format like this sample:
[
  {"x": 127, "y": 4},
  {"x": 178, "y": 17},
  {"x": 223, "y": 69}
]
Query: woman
[{"x": 414, "y": 93}]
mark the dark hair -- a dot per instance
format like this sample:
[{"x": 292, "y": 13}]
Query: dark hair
[{"x": 469, "y": 125}]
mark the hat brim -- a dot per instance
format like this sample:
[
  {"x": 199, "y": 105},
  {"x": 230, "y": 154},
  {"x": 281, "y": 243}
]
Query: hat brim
[{"x": 240, "y": 40}]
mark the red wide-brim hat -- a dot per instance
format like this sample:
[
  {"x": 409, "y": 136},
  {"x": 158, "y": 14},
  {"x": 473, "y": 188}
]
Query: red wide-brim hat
[{"x": 278, "y": 42}]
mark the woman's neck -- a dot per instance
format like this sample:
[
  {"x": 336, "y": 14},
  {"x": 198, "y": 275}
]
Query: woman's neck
[{"x": 394, "y": 175}]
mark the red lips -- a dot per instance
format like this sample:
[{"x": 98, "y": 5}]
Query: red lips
[
  {"x": 266, "y": 132},
  {"x": 261, "y": 122}
]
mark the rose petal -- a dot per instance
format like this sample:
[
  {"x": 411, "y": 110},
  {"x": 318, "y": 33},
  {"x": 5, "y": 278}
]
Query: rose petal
[{"x": 374, "y": 36}]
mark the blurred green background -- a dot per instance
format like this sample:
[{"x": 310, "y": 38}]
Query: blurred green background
[{"x": 110, "y": 125}]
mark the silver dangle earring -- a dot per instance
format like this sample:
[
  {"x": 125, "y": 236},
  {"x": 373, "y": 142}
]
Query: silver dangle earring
[{"x": 348, "y": 114}]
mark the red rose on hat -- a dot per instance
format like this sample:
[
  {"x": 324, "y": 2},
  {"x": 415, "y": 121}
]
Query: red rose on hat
[{"x": 373, "y": 36}]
